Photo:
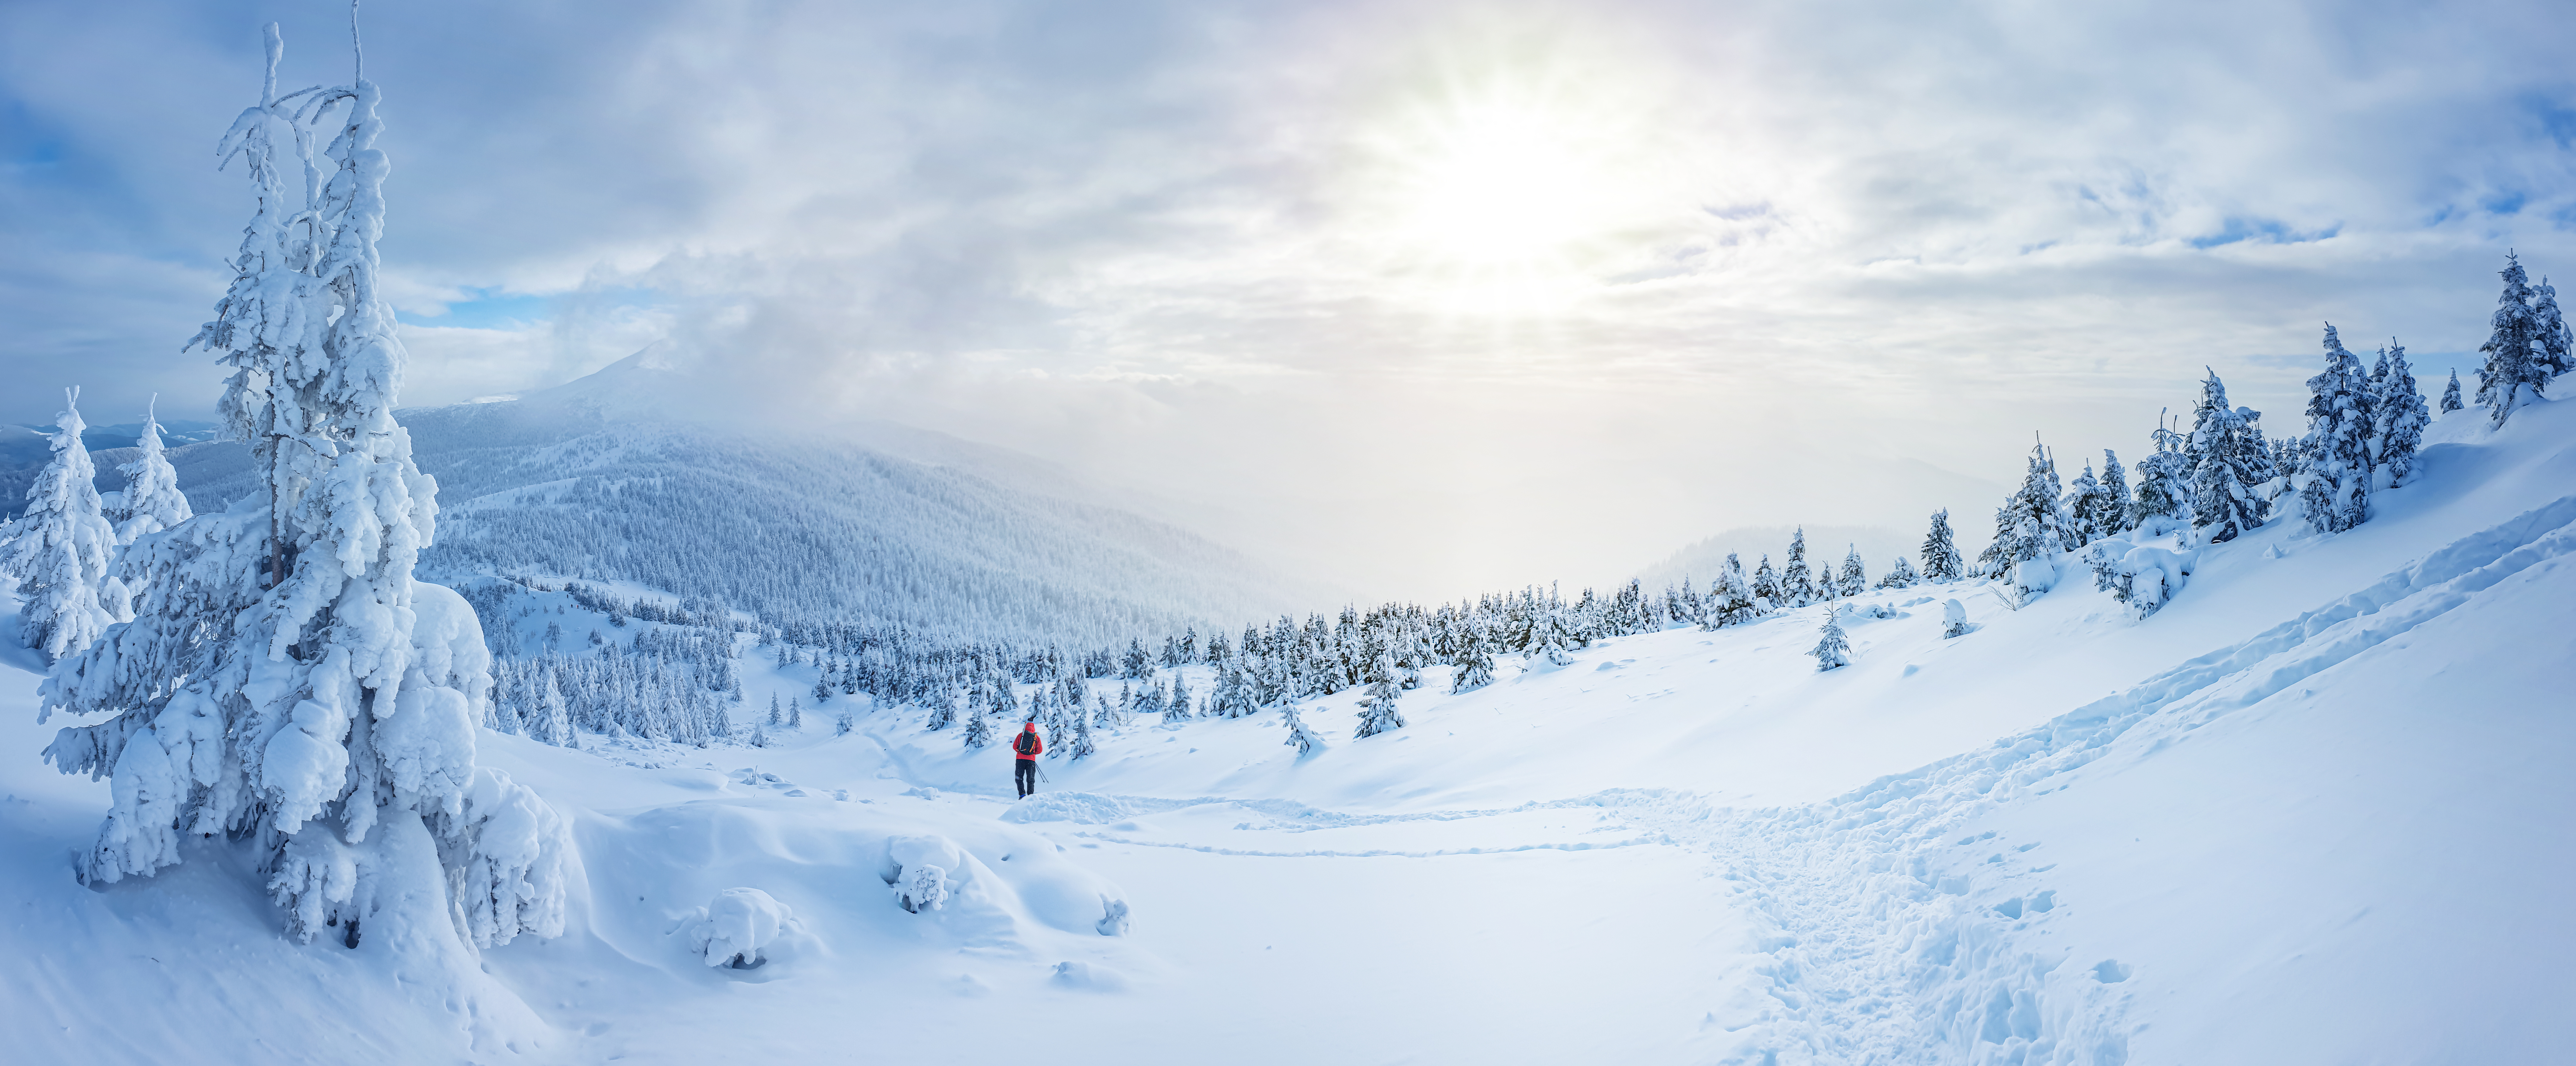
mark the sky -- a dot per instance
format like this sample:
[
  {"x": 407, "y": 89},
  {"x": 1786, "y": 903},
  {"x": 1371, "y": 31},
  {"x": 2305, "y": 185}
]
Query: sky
[{"x": 1422, "y": 297}]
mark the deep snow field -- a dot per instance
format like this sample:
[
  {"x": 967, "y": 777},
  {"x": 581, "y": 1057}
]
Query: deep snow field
[{"x": 2314, "y": 811}]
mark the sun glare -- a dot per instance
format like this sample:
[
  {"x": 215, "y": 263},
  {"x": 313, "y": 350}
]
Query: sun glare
[{"x": 1504, "y": 195}]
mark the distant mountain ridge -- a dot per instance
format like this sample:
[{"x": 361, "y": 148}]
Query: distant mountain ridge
[{"x": 586, "y": 482}]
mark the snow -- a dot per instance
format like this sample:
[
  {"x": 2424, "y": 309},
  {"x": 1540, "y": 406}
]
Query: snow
[{"x": 2309, "y": 810}]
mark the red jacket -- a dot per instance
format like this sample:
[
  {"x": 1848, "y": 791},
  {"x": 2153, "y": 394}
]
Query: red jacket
[{"x": 1027, "y": 745}]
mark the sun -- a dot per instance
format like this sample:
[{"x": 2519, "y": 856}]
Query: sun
[{"x": 1504, "y": 195}]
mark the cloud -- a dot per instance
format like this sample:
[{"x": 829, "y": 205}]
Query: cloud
[{"x": 1203, "y": 246}]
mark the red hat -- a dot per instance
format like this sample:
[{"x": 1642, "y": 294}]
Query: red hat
[{"x": 1029, "y": 726}]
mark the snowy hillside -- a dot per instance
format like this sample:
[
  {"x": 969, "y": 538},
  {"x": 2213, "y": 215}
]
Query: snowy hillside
[
  {"x": 2311, "y": 811},
  {"x": 584, "y": 482}
]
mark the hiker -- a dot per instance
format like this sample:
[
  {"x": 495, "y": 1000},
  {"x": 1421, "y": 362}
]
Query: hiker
[{"x": 1026, "y": 746}]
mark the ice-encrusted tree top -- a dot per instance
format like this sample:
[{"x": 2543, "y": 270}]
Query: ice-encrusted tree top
[
  {"x": 152, "y": 501},
  {"x": 286, "y": 680},
  {"x": 58, "y": 550}
]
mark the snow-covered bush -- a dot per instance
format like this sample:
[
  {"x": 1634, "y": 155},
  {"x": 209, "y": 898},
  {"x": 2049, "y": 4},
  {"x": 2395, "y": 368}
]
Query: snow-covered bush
[
  {"x": 2143, "y": 577},
  {"x": 922, "y": 871},
  {"x": 1299, "y": 736},
  {"x": 504, "y": 852},
  {"x": 1954, "y": 618},
  {"x": 1113, "y": 917},
  {"x": 740, "y": 928}
]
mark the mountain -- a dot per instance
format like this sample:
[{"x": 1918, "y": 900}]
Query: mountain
[
  {"x": 605, "y": 480},
  {"x": 2313, "y": 810}
]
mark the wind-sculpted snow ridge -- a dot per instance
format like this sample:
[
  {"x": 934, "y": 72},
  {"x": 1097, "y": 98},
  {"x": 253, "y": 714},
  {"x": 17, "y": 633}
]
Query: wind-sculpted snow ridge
[{"x": 1893, "y": 943}]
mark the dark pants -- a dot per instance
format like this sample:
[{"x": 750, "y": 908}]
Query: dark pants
[{"x": 1024, "y": 773}]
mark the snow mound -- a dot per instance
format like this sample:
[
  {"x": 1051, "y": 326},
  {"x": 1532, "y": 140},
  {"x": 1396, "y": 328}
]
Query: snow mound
[
  {"x": 1088, "y": 978},
  {"x": 741, "y": 927},
  {"x": 1088, "y": 808}
]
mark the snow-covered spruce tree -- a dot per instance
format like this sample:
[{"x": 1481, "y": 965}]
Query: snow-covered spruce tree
[
  {"x": 1475, "y": 663},
  {"x": 2401, "y": 418},
  {"x": 1854, "y": 579},
  {"x": 1766, "y": 586},
  {"x": 2224, "y": 503},
  {"x": 1080, "y": 747},
  {"x": 979, "y": 731},
  {"x": 2115, "y": 493},
  {"x": 1796, "y": 584},
  {"x": 59, "y": 550},
  {"x": 151, "y": 501},
  {"x": 2164, "y": 491},
  {"x": 943, "y": 709},
  {"x": 777, "y": 712},
  {"x": 2512, "y": 368},
  {"x": 2334, "y": 493},
  {"x": 1899, "y": 576},
  {"x": 327, "y": 713},
  {"x": 1299, "y": 736},
  {"x": 2084, "y": 503},
  {"x": 2451, "y": 394},
  {"x": 1942, "y": 562},
  {"x": 1730, "y": 599},
  {"x": 1377, "y": 710},
  {"x": 2551, "y": 341},
  {"x": 795, "y": 715},
  {"x": 2029, "y": 528},
  {"x": 1833, "y": 648}
]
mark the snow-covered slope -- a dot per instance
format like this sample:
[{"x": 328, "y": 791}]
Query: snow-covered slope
[
  {"x": 2312, "y": 811},
  {"x": 587, "y": 481}
]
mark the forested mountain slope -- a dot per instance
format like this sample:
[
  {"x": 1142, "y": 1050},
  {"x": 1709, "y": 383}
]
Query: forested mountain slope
[{"x": 579, "y": 482}]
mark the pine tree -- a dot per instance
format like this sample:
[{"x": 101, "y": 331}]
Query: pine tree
[
  {"x": 2511, "y": 368},
  {"x": 2335, "y": 467},
  {"x": 2113, "y": 516},
  {"x": 795, "y": 715},
  {"x": 1081, "y": 746},
  {"x": 1299, "y": 737},
  {"x": 2550, "y": 337},
  {"x": 59, "y": 549},
  {"x": 1942, "y": 563},
  {"x": 1475, "y": 663},
  {"x": 2224, "y": 503},
  {"x": 2451, "y": 394},
  {"x": 2164, "y": 488},
  {"x": 943, "y": 709},
  {"x": 1854, "y": 579},
  {"x": 1731, "y": 600},
  {"x": 979, "y": 731},
  {"x": 2029, "y": 526},
  {"x": 822, "y": 689},
  {"x": 327, "y": 713},
  {"x": 1766, "y": 585},
  {"x": 1899, "y": 576},
  {"x": 1176, "y": 709},
  {"x": 1795, "y": 584},
  {"x": 2085, "y": 504},
  {"x": 777, "y": 714},
  {"x": 1833, "y": 650},
  {"x": 1377, "y": 710},
  {"x": 2401, "y": 419},
  {"x": 151, "y": 501}
]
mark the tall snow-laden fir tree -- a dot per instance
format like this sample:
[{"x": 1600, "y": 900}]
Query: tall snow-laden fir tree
[
  {"x": 2551, "y": 341},
  {"x": 2451, "y": 394},
  {"x": 2401, "y": 418},
  {"x": 979, "y": 730},
  {"x": 2335, "y": 457},
  {"x": 1766, "y": 585},
  {"x": 2513, "y": 366},
  {"x": 1797, "y": 584},
  {"x": 151, "y": 501},
  {"x": 60, "y": 548},
  {"x": 1942, "y": 562},
  {"x": 2224, "y": 503},
  {"x": 1730, "y": 599},
  {"x": 1377, "y": 710},
  {"x": 287, "y": 682},
  {"x": 1833, "y": 648}
]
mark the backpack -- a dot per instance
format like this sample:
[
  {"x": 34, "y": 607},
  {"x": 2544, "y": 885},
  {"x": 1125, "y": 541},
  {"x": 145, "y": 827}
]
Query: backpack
[{"x": 1024, "y": 743}]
